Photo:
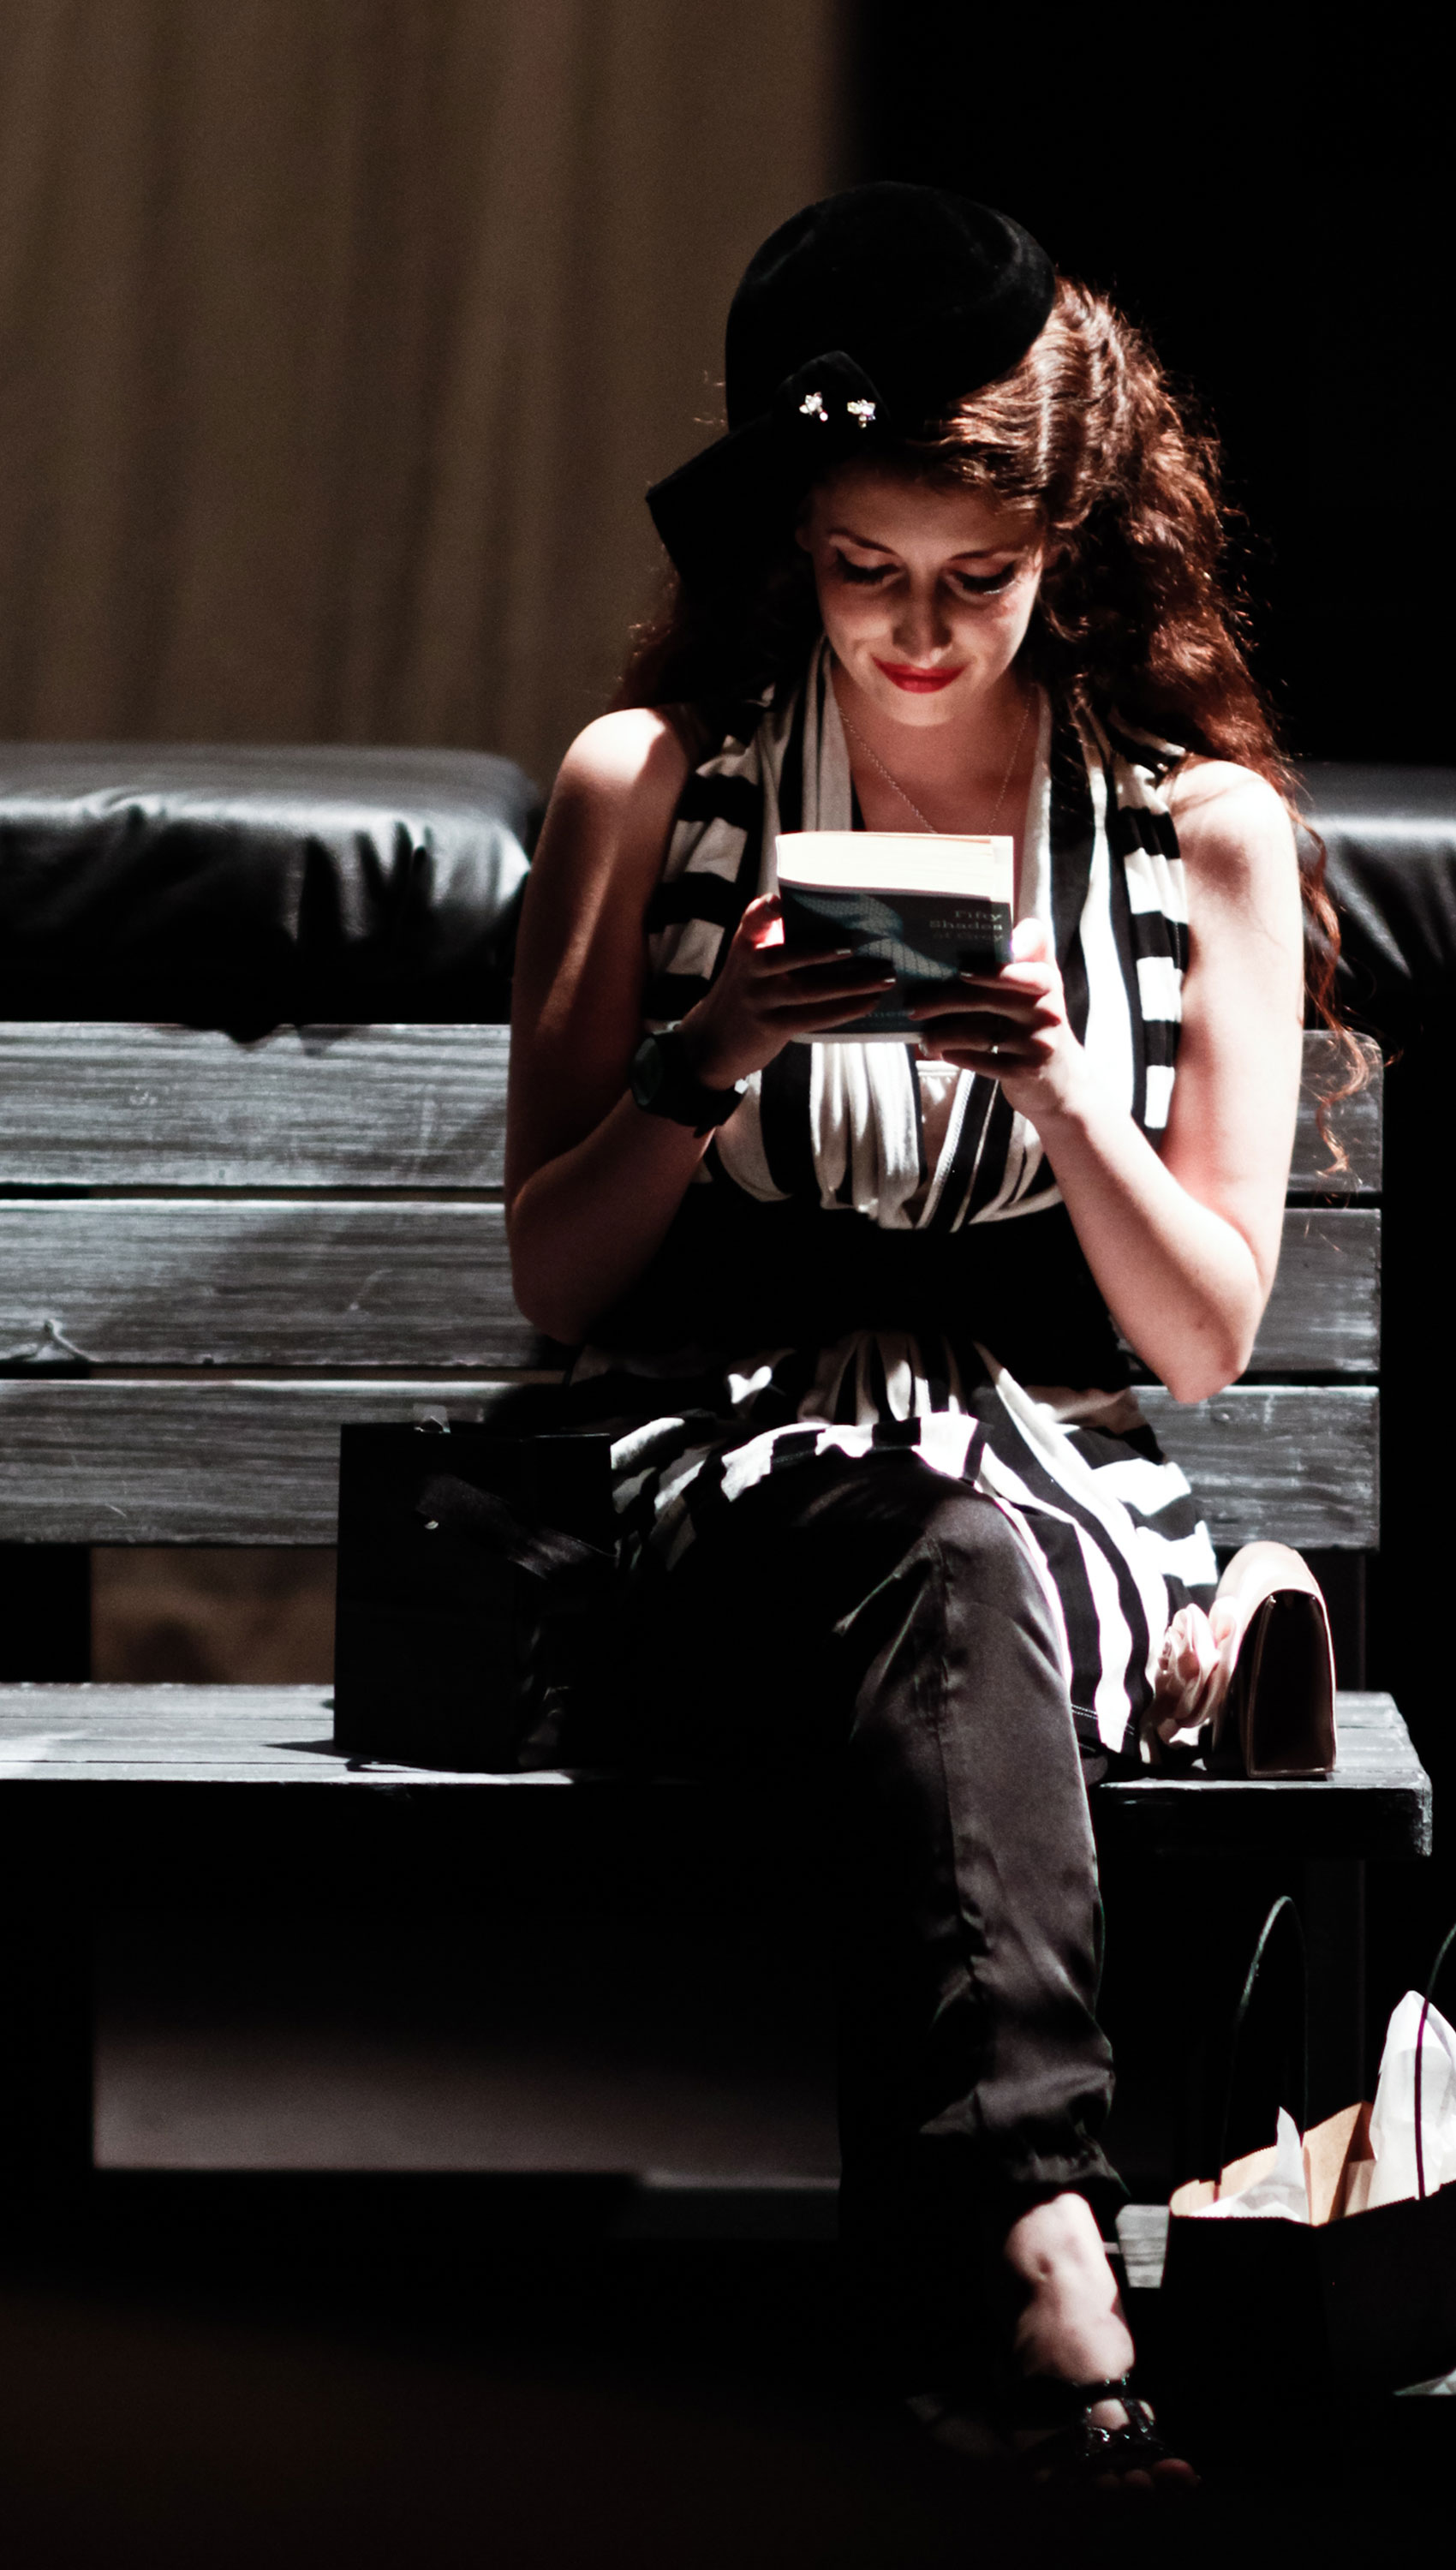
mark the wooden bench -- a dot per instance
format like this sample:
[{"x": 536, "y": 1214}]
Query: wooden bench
[{"x": 212, "y": 1258}]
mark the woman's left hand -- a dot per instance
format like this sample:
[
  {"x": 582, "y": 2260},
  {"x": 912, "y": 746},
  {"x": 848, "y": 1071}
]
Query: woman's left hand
[
  {"x": 1010, "y": 1026},
  {"x": 1191, "y": 1678}
]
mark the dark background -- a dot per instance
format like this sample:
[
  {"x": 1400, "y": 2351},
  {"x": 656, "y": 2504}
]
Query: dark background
[{"x": 1270, "y": 201}]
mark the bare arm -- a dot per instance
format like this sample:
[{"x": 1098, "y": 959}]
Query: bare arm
[
  {"x": 1183, "y": 1241},
  {"x": 592, "y": 1182}
]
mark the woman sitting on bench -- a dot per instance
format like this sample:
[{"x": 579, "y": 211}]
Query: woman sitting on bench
[{"x": 886, "y": 1497}]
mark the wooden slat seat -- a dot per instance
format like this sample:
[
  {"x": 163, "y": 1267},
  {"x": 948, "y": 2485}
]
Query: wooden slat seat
[
  {"x": 155, "y": 1739},
  {"x": 1376, "y": 1804}
]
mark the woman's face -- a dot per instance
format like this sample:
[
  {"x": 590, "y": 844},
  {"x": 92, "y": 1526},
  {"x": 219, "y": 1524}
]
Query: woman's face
[{"x": 926, "y": 593}]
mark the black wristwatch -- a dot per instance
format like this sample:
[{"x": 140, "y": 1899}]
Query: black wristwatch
[{"x": 663, "y": 1082}]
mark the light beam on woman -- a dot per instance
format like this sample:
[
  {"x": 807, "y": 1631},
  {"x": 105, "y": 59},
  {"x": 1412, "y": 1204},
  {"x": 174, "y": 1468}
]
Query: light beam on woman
[{"x": 888, "y": 1505}]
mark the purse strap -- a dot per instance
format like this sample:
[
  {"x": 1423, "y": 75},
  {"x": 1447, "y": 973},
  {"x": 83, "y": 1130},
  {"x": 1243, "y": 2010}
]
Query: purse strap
[
  {"x": 1434, "y": 1974},
  {"x": 1280, "y": 1908}
]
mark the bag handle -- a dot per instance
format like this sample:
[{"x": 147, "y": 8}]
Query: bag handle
[
  {"x": 1447, "y": 1942},
  {"x": 1285, "y": 1904}
]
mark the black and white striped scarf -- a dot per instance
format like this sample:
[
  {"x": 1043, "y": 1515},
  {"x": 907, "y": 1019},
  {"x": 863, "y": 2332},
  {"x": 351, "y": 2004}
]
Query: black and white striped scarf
[{"x": 841, "y": 1123}]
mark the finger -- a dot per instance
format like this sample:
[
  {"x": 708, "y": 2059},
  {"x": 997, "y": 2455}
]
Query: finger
[
  {"x": 1187, "y": 1728},
  {"x": 997, "y": 1053},
  {"x": 980, "y": 1065},
  {"x": 763, "y": 921},
  {"x": 1188, "y": 1672},
  {"x": 978, "y": 1026},
  {"x": 1026, "y": 980},
  {"x": 997, "y": 1041},
  {"x": 961, "y": 1026},
  {"x": 794, "y": 959},
  {"x": 807, "y": 1019},
  {"x": 1187, "y": 1645},
  {"x": 798, "y": 990},
  {"x": 1030, "y": 942},
  {"x": 988, "y": 999}
]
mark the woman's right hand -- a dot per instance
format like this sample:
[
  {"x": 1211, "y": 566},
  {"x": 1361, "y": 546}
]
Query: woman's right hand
[{"x": 766, "y": 995}]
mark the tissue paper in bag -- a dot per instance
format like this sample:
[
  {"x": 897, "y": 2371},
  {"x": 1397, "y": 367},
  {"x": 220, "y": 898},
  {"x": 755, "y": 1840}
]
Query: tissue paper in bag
[
  {"x": 1361, "y": 2288},
  {"x": 1392, "y": 2122},
  {"x": 1281, "y": 2194}
]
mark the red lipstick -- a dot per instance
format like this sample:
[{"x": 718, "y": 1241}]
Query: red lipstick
[{"x": 916, "y": 682}]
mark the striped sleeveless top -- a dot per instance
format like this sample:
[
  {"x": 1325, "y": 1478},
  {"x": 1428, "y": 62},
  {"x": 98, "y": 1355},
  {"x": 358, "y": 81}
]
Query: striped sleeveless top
[{"x": 825, "y": 1289}]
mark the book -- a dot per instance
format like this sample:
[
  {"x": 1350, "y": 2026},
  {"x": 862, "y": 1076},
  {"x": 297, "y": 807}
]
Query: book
[{"x": 927, "y": 909}]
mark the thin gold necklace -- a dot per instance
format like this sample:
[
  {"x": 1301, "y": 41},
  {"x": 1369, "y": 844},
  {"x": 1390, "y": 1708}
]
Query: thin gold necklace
[{"x": 873, "y": 755}]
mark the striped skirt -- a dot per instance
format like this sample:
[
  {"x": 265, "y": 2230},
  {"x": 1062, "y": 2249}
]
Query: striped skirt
[{"x": 1108, "y": 1523}]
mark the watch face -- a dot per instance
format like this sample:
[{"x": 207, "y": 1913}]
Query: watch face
[{"x": 648, "y": 1069}]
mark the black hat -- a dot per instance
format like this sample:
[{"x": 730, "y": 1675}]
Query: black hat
[{"x": 868, "y": 315}]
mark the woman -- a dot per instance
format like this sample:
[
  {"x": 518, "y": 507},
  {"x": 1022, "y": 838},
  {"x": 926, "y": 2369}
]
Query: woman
[{"x": 886, "y": 1497}]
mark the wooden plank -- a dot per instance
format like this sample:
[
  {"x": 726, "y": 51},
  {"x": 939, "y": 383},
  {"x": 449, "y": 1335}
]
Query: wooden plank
[
  {"x": 199, "y": 1735},
  {"x": 1142, "y": 2236},
  {"x": 1323, "y": 1315},
  {"x": 261, "y": 1281},
  {"x": 318, "y": 1106},
  {"x": 359, "y": 1107},
  {"x": 1299, "y": 1466},
  {"x": 333, "y": 1281},
  {"x": 191, "y": 1735},
  {"x": 208, "y": 1460},
  {"x": 1356, "y": 1122},
  {"x": 219, "y": 1458},
  {"x": 1377, "y": 1803}
]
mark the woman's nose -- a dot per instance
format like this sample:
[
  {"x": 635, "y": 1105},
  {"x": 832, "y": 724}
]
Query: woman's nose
[{"x": 922, "y": 626}]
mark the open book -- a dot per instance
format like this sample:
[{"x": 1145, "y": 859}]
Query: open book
[{"x": 924, "y": 908}]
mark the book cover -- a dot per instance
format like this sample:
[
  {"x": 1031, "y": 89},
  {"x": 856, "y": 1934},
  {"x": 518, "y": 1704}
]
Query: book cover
[{"x": 925, "y": 908}]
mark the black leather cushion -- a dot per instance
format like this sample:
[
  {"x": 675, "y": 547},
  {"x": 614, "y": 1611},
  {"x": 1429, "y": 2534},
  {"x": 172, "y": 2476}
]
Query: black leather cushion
[
  {"x": 1390, "y": 838},
  {"x": 247, "y": 888}
]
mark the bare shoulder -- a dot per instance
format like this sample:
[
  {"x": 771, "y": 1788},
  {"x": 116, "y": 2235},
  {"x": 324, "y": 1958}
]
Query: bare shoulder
[
  {"x": 1233, "y": 827},
  {"x": 606, "y": 828},
  {"x": 599, "y": 856},
  {"x": 623, "y": 760},
  {"x": 608, "y": 821}
]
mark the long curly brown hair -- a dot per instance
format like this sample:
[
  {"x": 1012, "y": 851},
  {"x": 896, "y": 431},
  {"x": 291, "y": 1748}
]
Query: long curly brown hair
[{"x": 1134, "y": 618}]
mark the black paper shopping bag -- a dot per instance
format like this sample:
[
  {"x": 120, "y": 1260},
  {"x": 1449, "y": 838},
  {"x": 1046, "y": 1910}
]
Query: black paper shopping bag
[
  {"x": 475, "y": 1592},
  {"x": 1357, "y": 2299}
]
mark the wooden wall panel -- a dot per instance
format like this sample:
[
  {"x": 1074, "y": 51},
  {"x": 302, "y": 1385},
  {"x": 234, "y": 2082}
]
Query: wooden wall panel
[
  {"x": 219, "y": 1459},
  {"x": 1323, "y": 1315},
  {"x": 200, "y": 1461},
  {"x": 415, "y": 1285},
  {"x": 1296, "y": 1464},
  {"x": 353, "y": 1107},
  {"x": 261, "y": 1281},
  {"x": 157, "y": 1106}
]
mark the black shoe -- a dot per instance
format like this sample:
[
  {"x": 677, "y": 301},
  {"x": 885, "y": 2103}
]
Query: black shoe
[{"x": 1072, "y": 2452}]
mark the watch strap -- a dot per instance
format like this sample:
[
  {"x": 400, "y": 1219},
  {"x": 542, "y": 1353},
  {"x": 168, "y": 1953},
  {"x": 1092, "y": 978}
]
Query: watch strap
[{"x": 663, "y": 1082}]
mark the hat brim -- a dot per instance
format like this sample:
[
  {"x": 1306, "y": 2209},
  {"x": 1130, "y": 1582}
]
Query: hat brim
[{"x": 729, "y": 508}]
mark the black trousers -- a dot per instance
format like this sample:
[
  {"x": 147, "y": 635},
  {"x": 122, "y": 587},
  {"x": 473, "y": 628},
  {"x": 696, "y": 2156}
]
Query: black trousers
[{"x": 883, "y": 1624}]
